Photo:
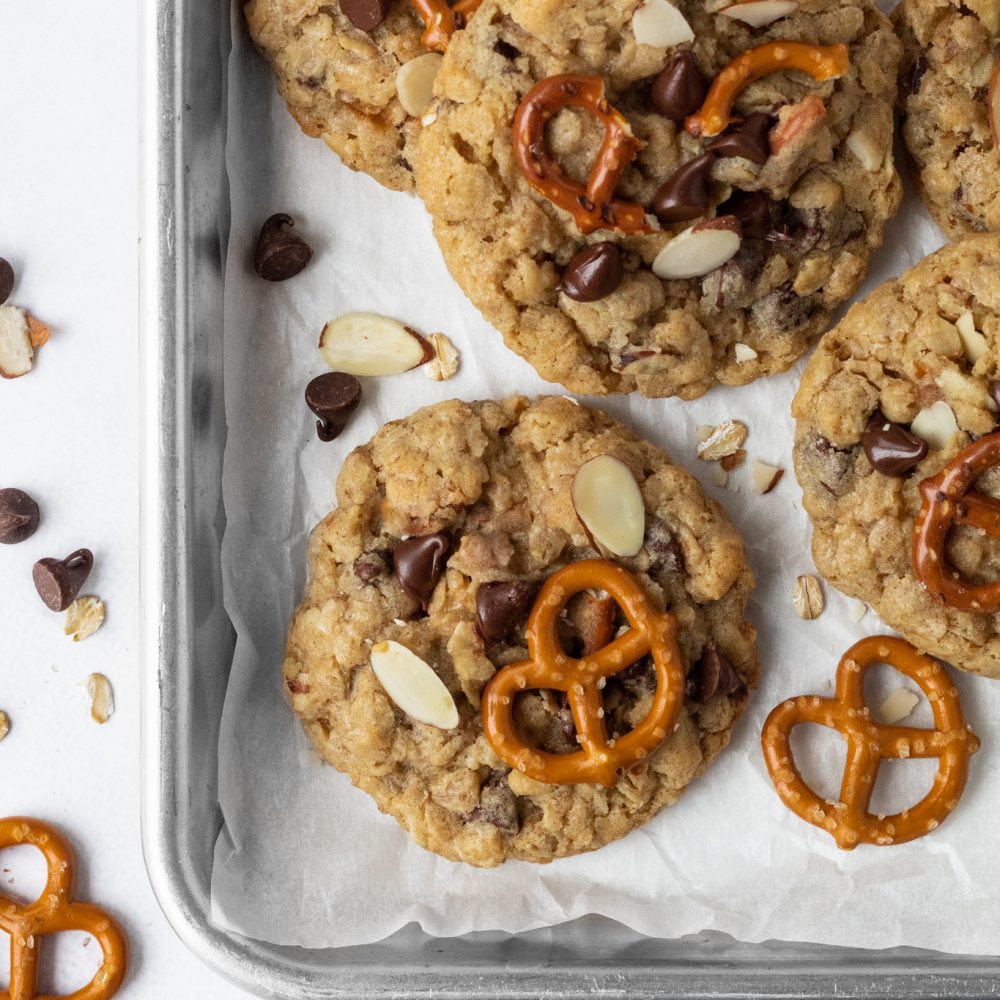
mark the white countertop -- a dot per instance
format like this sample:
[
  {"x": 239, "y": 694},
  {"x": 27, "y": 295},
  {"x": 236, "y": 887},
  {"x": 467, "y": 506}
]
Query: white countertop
[{"x": 69, "y": 436}]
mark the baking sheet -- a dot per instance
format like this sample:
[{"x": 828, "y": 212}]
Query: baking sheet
[{"x": 305, "y": 859}]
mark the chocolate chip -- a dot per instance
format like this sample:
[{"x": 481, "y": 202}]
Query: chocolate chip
[
  {"x": 917, "y": 71},
  {"x": 502, "y": 606},
  {"x": 593, "y": 273},
  {"x": 18, "y": 516},
  {"x": 369, "y": 567},
  {"x": 891, "y": 448},
  {"x": 747, "y": 139},
  {"x": 333, "y": 397},
  {"x": 419, "y": 563},
  {"x": 58, "y": 581},
  {"x": 639, "y": 679},
  {"x": 497, "y": 805},
  {"x": 713, "y": 676},
  {"x": 280, "y": 254},
  {"x": 365, "y": 14},
  {"x": 684, "y": 194},
  {"x": 6, "y": 280},
  {"x": 753, "y": 210},
  {"x": 679, "y": 88},
  {"x": 662, "y": 545}
]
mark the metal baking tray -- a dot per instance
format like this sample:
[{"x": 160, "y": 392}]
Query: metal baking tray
[{"x": 188, "y": 642}]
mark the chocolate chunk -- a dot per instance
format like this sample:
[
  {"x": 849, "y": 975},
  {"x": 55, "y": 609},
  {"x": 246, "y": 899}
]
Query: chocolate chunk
[
  {"x": 58, "y": 581},
  {"x": 917, "y": 71},
  {"x": 684, "y": 194},
  {"x": 638, "y": 679},
  {"x": 333, "y": 397},
  {"x": 713, "y": 676},
  {"x": 747, "y": 139},
  {"x": 679, "y": 88},
  {"x": 753, "y": 209},
  {"x": 280, "y": 254},
  {"x": 502, "y": 606},
  {"x": 365, "y": 14},
  {"x": 369, "y": 567},
  {"x": 662, "y": 545},
  {"x": 419, "y": 563},
  {"x": 6, "y": 280},
  {"x": 593, "y": 273},
  {"x": 891, "y": 448},
  {"x": 18, "y": 516},
  {"x": 497, "y": 805},
  {"x": 994, "y": 391}
]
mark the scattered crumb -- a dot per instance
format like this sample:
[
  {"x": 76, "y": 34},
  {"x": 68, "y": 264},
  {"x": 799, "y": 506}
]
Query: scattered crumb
[
  {"x": 4, "y": 725},
  {"x": 445, "y": 362},
  {"x": 726, "y": 439},
  {"x": 83, "y": 618},
  {"x": 807, "y": 597},
  {"x": 897, "y": 706},
  {"x": 856, "y": 610},
  {"x": 719, "y": 475},
  {"x": 102, "y": 699}
]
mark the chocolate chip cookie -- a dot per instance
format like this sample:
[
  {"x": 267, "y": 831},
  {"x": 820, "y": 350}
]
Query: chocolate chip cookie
[
  {"x": 422, "y": 581},
  {"x": 357, "y": 73},
  {"x": 896, "y": 429},
  {"x": 948, "y": 95},
  {"x": 650, "y": 197}
]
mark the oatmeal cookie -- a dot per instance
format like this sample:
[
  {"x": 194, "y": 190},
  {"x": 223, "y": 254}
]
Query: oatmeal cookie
[
  {"x": 778, "y": 214},
  {"x": 948, "y": 99},
  {"x": 893, "y": 393},
  {"x": 493, "y": 481},
  {"x": 338, "y": 65}
]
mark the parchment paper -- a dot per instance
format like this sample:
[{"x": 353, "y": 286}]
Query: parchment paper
[{"x": 305, "y": 859}]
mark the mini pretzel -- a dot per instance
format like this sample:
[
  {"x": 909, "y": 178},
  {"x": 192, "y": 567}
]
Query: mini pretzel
[
  {"x": 819, "y": 61},
  {"x": 52, "y": 912},
  {"x": 599, "y": 759},
  {"x": 947, "y": 499},
  {"x": 848, "y": 821},
  {"x": 593, "y": 206},
  {"x": 441, "y": 20}
]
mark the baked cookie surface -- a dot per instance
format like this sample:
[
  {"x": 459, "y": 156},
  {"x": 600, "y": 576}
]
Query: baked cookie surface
[
  {"x": 811, "y": 212},
  {"x": 340, "y": 81},
  {"x": 496, "y": 478},
  {"x": 902, "y": 384},
  {"x": 951, "y": 53}
]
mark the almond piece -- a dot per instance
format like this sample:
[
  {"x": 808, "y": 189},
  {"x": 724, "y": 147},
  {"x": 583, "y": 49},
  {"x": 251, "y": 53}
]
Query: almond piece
[
  {"x": 867, "y": 150},
  {"x": 415, "y": 82},
  {"x": 807, "y": 597},
  {"x": 16, "y": 352},
  {"x": 726, "y": 439},
  {"x": 699, "y": 250},
  {"x": 993, "y": 99},
  {"x": 445, "y": 362},
  {"x": 83, "y": 618},
  {"x": 368, "y": 344},
  {"x": 744, "y": 353},
  {"x": 758, "y": 13},
  {"x": 609, "y": 504},
  {"x": 660, "y": 24},
  {"x": 973, "y": 342},
  {"x": 719, "y": 476},
  {"x": 856, "y": 610},
  {"x": 102, "y": 699},
  {"x": 897, "y": 706},
  {"x": 765, "y": 477},
  {"x": 413, "y": 685},
  {"x": 936, "y": 424}
]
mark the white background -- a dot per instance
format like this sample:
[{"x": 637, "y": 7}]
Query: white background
[{"x": 69, "y": 435}]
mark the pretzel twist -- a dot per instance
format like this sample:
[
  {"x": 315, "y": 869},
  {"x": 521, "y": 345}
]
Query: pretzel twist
[
  {"x": 599, "y": 759},
  {"x": 55, "y": 911},
  {"x": 848, "y": 821},
  {"x": 819, "y": 61},
  {"x": 593, "y": 205},
  {"x": 441, "y": 20},
  {"x": 948, "y": 499}
]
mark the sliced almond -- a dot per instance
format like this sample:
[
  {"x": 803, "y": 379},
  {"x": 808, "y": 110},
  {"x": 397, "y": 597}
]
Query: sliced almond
[
  {"x": 993, "y": 99},
  {"x": 368, "y": 344},
  {"x": 415, "y": 82},
  {"x": 445, "y": 362},
  {"x": 16, "y": 351},
  {"x": 744, "y": 353},
  {"x": 898, "y": 706},
  {"x": 83, "y": 618},
  {"x": 973, "y": 342},
  {"x": 726, "y": 439},
  {"x": 699, "y": 250},
  {"x": 610, "y": 506},
  {"x": 660, "y": 24},
  {"x": 867, "y": 150},
  {"x": 4, "y": 725},
  {"x": 413, "y": 685},
  {"x": 102, "y": 698},
  {"x": 856, "y": 610},
  {"x": 807, "y": 597},
  {"x": 765, "y": 477},
  {"x": 758, "y": 13},
  {"x": 936, "y": 424}
]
